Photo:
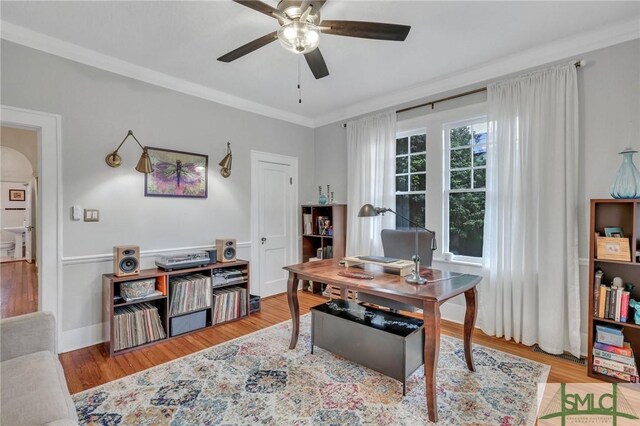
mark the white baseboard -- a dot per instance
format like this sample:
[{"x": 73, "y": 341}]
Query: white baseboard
[
  {"x": 82, "y": 337},
  {"x": 453, "y": 312}
]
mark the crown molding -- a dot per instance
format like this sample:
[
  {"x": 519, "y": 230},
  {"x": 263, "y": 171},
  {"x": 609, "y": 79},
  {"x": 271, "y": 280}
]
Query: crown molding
[
  {"x": 551, "y": 52},
  {"x": 36, "y": 40},
  {"x": 555, "y": 51}
]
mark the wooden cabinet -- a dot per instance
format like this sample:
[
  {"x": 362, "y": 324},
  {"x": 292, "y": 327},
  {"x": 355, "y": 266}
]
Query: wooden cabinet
[
  {"x": 227, "y": 300},
  {"x": 324, "y": 233},
  {"x": 624, "y": 214}
]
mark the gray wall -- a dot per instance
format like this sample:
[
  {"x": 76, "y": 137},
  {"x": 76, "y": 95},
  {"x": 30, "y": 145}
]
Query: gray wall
[
  {"x": 97, "y": 109},
  {"x": 609, "y": 87}
]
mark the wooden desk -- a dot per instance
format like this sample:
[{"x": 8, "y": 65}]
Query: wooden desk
[{"x": 426, "y": 297}]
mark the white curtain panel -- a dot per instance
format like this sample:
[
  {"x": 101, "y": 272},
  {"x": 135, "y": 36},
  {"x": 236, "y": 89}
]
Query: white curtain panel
[
  {"x": 370, "y": 180},
  {"x": 531, "y": 290}
]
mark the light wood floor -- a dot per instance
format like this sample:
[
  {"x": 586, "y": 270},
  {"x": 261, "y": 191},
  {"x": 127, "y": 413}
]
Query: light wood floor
[
  {"x": 18, "y": 288},
  {"x": 89, "y": 367}
]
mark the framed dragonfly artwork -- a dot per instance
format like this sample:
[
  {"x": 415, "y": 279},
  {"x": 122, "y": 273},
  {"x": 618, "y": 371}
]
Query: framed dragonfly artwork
[{"x": 176, "y": 174}]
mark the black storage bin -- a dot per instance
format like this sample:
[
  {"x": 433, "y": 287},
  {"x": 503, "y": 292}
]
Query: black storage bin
[{"x": 254, "y": 303}]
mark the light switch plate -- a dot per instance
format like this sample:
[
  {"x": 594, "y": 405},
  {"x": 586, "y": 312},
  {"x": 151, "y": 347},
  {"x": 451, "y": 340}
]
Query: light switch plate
[
  {"x": 91, "y": 215},
  {"x": 76, "y": 213}
]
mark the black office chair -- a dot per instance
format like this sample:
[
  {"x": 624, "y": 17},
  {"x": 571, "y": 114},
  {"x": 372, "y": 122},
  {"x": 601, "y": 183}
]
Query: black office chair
[{"x": 401, "y": 244}]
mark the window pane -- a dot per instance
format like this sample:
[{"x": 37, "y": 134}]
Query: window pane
[
  {"x": 461, "y": 179},
  {"x": 479, "y": 178},
  {"x": 479, "y": 138},
  {"x": 419, "y": 143},
  {"x": 412, "y": 207},
  {"x": 418, "y": 163},
  {"x": 402, "y": 146},
  {"x": 460, "y": 136},
  {"x": 402, "y": 183},
  {"x": 466, "y": 223},
  {"x": 402, "y": 165},
  {"x": 418, "y": 182},
  {"x": 460, "y": 158},
  {"x": 480, "y": 155}
]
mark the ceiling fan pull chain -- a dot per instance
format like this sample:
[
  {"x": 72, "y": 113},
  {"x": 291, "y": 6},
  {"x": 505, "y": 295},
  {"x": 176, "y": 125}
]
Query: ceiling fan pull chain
[{"x": 299, "y": 84}]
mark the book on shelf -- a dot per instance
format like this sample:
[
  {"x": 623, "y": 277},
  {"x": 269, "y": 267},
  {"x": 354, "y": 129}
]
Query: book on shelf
[
  {"x": 618, "y": 303},
  {"x": 628, "y": 360},
  {"x": 624, "y": 308},
  {"x": 612, "y": 304},
  {"x": 597, "y": 290},
  {"x": 614, "y": 365},
  {"x": 625, "y": 350},
  {"x": 617, "y": 374},
  {"x": 601, "y": 300},
  {"x": 607, "y": 303}
]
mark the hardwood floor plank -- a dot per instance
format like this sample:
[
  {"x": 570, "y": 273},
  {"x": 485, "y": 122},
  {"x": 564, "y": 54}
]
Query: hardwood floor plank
[
  {"x": 89, "y": 367},
  {"x": 18, "y": 288}
]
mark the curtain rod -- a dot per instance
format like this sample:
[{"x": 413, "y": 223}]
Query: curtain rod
[{"x": 577, "y": 64}]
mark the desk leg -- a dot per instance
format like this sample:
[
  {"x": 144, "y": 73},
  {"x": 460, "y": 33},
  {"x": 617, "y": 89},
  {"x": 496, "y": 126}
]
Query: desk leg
[
  {"x": 470, "y": 297},
  {"x": 431, "y": 312},
  {"x": 292, "y": 298}
]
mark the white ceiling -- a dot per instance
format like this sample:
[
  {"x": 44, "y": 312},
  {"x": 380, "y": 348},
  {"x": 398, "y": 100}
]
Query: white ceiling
[{"x": 183, "y": 39}]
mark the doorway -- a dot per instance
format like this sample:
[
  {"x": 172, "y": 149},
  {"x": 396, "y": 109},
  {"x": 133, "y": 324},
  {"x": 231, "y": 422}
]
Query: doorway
[
  {"x": 48, "y": 227},
  {"x": 274, "y": 201},
  {"x": 18, "y": 189}
]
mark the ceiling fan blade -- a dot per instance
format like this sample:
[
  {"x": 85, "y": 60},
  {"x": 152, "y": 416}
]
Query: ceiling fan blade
[
  {"x": 317, "y": 64},
  {"x": 262, "y": 8},
  {"x": 249, "y": 47},
  {"x": 375, "y": 30}
]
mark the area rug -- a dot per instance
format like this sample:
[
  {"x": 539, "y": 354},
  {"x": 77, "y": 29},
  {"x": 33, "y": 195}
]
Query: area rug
[{"x": 256, "y": 379}]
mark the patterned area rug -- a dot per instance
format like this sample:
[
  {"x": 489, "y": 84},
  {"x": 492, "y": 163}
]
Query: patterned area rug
[{"x": 256, "y": 379}]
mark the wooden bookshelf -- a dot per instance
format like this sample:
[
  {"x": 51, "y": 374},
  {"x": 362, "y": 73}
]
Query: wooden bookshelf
[
  {"x": 111, "y": 290},
  {"x": 624, "y": 214},
  {"x": 319, "y": 239}
]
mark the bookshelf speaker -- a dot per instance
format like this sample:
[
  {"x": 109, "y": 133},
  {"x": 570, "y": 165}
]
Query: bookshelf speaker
[
  {"x": 126, "y": 260},
  {"x": 226, "y": 250}
]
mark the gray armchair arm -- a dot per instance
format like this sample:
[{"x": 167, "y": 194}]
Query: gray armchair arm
[{"x": 27, "y": 334}]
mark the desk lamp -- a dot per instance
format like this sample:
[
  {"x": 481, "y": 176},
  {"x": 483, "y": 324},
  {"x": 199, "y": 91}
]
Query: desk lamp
[{"x": 368, "y": 210}]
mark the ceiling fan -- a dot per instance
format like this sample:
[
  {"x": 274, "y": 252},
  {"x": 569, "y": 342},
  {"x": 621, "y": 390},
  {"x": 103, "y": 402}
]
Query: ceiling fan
[{"x": 300, "y": 28}]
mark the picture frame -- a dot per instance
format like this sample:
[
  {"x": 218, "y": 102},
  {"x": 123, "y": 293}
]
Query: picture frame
[
  {"x": 613, "y": 232},
  {"x": 177, "y": 174},
  {"x": 17, "y": 195},
  {"x": 612, "y": 248}
]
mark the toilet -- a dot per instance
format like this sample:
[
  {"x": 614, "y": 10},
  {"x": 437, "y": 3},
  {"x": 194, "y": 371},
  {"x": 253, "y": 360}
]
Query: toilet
[{"x": 7, "y": 249}]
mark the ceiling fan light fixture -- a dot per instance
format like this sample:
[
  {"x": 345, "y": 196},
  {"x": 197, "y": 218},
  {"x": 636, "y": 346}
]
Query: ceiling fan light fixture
[{"x": 299, "y": 37}]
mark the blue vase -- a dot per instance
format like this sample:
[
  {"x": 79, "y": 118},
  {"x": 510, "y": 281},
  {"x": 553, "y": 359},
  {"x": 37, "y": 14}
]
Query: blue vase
[
  {"x": 627, "y": 182},
  {"x": 322, "y": 200}
]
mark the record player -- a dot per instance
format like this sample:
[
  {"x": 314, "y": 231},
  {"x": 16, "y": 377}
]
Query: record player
[{"x": 171, "y": 261}]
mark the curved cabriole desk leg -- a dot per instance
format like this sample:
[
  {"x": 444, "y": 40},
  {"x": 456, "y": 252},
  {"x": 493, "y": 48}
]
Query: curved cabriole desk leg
[
  {"x": 292, "y": 298},
  {"x": 470, "y": 297}
]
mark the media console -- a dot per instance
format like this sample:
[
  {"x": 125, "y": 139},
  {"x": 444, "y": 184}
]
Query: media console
[{"x": 185, "y": 301}]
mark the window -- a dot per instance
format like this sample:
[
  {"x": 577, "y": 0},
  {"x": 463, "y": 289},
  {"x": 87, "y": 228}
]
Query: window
[
  {"x": 465, "y": 177},
  {"x": 411, "y": 177}
]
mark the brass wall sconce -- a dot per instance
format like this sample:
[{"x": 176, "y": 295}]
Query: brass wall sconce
[
  {"x": 144, "y": 164},
  {"x": 225, "y": 164}
]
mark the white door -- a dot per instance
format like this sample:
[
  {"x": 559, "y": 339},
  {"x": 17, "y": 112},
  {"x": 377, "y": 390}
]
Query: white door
[{"x": 274, "y": 199}]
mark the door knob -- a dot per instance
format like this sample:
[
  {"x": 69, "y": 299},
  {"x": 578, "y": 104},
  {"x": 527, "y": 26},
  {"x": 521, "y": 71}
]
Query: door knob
[{"x": 263, "y": 239}]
